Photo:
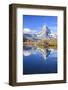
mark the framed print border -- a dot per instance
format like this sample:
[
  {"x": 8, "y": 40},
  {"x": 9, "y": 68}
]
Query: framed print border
[{"x": 13, "y": 42}]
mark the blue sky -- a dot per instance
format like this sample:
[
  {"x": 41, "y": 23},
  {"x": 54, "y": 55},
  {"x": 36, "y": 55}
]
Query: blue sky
[{"x": 34, "y": 22}]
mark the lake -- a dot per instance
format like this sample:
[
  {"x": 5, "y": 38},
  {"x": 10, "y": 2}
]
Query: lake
[{"x": 39, "y": 61}]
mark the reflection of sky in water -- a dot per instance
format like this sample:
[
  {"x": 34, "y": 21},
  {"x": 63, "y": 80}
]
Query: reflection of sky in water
[{"x": 38, "y": 61}]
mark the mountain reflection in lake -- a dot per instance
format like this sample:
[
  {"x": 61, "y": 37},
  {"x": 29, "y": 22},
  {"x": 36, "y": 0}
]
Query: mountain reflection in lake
[{"x": 39, "y": 61}]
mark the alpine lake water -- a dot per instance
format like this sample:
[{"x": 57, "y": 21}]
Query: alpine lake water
[{"x": 38, "y": 60}]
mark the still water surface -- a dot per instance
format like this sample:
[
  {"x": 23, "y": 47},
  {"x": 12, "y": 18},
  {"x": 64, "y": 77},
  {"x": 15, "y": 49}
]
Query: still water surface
[{"x": 39, "y": 61}]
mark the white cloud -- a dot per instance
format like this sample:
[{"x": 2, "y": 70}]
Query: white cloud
[
  {"x": 26, "y": 30},
  {"x": 29, "y": 31}
]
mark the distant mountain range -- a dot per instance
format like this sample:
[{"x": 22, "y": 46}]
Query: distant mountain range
[{"x": 44, "y": 33}]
